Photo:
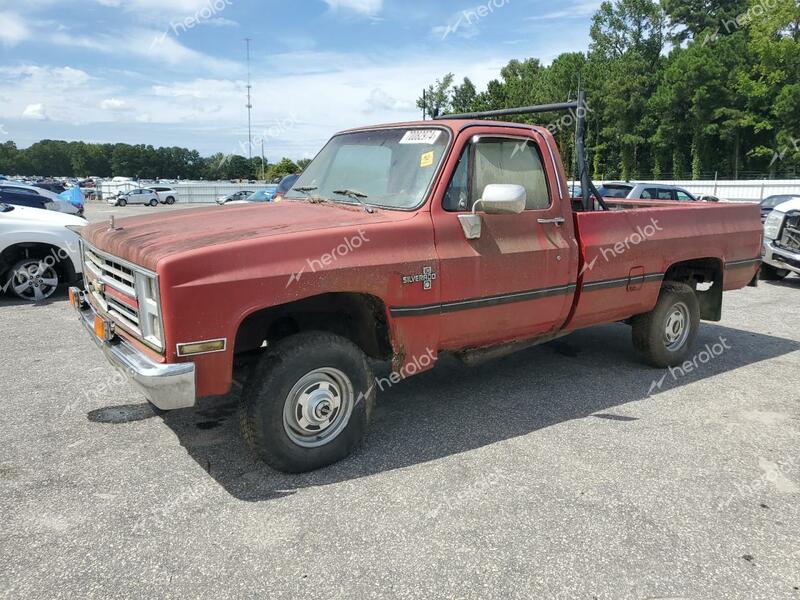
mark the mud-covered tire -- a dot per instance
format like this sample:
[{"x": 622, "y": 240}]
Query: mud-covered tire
[
  {"x": 770, "y": 273},
  {"x": 655, "y": 334},
  {"x": 280, "y": 402}
]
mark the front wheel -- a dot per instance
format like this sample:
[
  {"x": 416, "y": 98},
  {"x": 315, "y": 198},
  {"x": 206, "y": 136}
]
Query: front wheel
[
  {"x": 170, "y": 200},
  {"x": 33, "y": 280},
  {"x": 307, "y": 402},
  {"x": 664, "y": 336},
  {"x": 122, "y": 202},
  {"x": 770, "y": 273}
]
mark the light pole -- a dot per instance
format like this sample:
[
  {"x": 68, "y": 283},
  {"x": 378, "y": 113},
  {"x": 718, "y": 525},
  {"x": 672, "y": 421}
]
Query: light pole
[{"x": 249, "y": 104}]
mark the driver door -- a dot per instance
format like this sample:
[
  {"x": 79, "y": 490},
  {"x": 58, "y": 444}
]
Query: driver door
[{"x": 518, "y": 279}]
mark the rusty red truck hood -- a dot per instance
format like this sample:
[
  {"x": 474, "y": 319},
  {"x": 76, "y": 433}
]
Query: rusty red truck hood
[{"x": 146, "y": 240}]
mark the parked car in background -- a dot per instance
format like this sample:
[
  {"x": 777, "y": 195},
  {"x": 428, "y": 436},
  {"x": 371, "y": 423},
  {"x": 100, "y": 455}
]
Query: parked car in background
[
  {"x": 137, "y": 196},
  {"x": 769, "y": 203},
  {"x": 166, "y": 195},
  {"x": 51, "y": 186},
  {"x": 284, "y": 186},
  {"x": 264, "y": 195},
  {"x": 13, "y": 190},
  {"x": 37, "y": 251},
  {"x": 781, "y": 254},
  {"x": 234, "y": 197},
  {"x": 645, "y": 191},
  {"x": 36, "y": 201}
]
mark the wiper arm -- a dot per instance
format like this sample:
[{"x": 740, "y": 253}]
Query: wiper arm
[
  {"x": 356, "y": 195},
  {"x": 304, "y": 189}
]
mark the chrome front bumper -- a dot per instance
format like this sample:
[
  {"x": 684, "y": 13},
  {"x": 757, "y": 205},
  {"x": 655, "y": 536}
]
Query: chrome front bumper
[
  {"x": 168, "y": 386},
  {"x": 780, "y": 258}
]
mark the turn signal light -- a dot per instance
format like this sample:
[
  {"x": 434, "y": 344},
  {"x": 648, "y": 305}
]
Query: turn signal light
[
  {"x": 73, "y": 297},
  {"x": 102, "y": 329}
]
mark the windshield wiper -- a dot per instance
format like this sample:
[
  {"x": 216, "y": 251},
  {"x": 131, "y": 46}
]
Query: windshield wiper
[
  {"x": 304, "y": 189},
  {"x": 356, "y": 195}
]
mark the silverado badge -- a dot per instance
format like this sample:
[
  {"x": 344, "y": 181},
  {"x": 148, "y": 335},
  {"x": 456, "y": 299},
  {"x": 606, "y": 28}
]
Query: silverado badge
[{"x": 426, "y": 277}]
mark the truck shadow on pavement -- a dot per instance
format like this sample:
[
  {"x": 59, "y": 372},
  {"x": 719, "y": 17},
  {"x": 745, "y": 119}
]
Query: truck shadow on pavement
[{"x": 455, "y": 408}]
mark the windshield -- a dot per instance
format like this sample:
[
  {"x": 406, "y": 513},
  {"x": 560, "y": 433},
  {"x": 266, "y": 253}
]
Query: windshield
[
  {"x": 391, "y": 168},
  {"x": 773, "y": 201}
]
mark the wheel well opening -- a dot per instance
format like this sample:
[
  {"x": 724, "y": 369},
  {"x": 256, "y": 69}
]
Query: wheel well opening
[
  {"x": 705, "y": 277},
  {"x": 361, "y": 318},
  {"x": 59, "y": 258}
]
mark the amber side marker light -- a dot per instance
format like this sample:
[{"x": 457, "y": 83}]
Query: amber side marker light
[
  {"x": 206, "y": 347},
  {"x": 103, "y": 329},
  {"x": 73, "y": 297}
]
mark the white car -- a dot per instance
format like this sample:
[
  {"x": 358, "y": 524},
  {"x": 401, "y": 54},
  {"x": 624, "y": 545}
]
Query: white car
[
  {"x": 781, "y": 254},
  {"x": 37, "y": 251},
  {"x": 235, "y": 197},
  {"x": 136, "y": 196},
  {"x": 166, "y": 195}
]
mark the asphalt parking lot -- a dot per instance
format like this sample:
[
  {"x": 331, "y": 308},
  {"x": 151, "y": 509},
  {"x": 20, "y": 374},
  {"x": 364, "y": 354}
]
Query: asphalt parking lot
[{"x": 565, "y": 471}]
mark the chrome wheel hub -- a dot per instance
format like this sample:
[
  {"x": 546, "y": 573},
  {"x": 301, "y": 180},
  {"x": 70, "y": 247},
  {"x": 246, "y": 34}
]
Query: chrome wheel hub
[
  {"x": 676, "y": 328},
  {"x": 318, "y": 407}
]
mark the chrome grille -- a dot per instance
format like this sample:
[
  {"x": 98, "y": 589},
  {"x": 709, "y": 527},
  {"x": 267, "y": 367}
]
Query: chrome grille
[
  {"x": 102, "y": 272},
  {"x": 110, "y": 272},
  {"x": 791, "y": 232}
]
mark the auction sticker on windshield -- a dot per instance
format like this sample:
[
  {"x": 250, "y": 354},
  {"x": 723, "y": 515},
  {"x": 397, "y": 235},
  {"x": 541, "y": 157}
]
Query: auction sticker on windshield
[{"x": 421, "y": 136}]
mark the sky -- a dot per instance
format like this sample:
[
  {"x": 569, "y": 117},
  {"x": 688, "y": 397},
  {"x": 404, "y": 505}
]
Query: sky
[{"x": 173, "y": 72}]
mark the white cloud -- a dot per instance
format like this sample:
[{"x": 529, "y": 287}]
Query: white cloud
[
  {"x": 112, "y": 104},
  {"x": 343, "y": 91},
  {"x": 13, "y": 29},
  {"x": 156, "y": 46},
  {"x": 34, "y": 112},
  {"x": 364, "y": 7},
  {"x": 581, "y": 9},
  {"x": 220, "y": 22},
  {"x": 379, "y": 100}
]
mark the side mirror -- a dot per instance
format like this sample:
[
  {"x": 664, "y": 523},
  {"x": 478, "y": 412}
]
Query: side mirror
[
  {"x": 502, "y": 199},
  {"x": 498, "y": 199}
]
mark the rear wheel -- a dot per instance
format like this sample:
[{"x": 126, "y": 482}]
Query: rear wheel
[
  {"x": 770, "y": 273},
  {"x": 153, "y": 202},
  {"x": 664, "y": 336},
  {"x": 307, "y": 402}
]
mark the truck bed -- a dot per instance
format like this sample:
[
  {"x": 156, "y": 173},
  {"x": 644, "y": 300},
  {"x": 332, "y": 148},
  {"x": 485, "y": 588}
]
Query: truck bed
[{"x": 632, "y": 247}]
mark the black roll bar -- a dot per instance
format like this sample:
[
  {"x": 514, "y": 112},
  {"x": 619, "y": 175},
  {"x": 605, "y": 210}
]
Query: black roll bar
[{"x": 580, "y": 107}]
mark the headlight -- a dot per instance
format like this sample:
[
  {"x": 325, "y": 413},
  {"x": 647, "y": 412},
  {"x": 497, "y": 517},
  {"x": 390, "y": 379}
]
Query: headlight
[
  {"x": 149, "y": 309},
  {"x": 772, "y": 226}
]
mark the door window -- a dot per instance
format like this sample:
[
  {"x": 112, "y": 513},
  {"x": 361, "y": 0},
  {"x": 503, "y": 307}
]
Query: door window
[{"x": 498, "y": 160}]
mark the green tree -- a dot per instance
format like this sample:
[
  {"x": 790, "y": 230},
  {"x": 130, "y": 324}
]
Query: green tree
[{"x": 436, "y": 100}]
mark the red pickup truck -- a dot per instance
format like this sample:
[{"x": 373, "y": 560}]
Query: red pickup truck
[{"x": 398, "y": 242}]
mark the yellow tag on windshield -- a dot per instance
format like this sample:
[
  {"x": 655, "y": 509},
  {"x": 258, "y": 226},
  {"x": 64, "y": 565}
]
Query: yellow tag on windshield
[{"x": 426, "y": 160}]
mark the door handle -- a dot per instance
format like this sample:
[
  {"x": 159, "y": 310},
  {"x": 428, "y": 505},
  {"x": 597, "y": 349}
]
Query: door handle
[{"x": 556, "y": 221}]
